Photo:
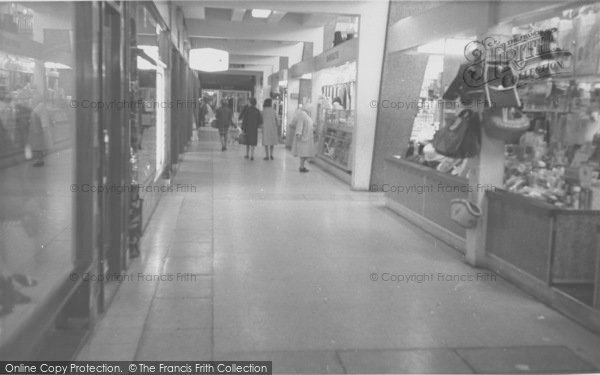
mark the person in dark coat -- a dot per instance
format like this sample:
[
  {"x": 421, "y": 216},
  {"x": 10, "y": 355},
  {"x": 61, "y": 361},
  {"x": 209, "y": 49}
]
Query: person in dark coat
[
  {"x": 251, "y": 121},
  {"x": 37, "y": 137},
  {"x": 224, "y": 117}
]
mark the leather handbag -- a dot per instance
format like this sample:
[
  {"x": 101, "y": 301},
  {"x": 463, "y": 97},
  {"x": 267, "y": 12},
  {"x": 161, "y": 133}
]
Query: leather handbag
[
  {"x": 242, "y": 138},
  {"x": 505, "y": 94},
  {"x": 461, "y": 139}
]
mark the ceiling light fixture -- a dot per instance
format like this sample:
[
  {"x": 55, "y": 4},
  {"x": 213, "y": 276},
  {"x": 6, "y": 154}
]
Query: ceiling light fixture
[
  {"x": 261, "y": 13},
  {"x": 209, "y": 60}
]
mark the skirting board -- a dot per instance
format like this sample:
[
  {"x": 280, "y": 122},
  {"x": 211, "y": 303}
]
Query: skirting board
[
  {"x": 331, "y": 169},
  {"x": 557, "y": 299},
  {"x": 427, "y": 225}
]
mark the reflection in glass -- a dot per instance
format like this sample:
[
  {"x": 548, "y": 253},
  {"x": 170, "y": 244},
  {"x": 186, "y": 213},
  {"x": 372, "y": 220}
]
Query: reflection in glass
[{"x": 36, "y": 163}]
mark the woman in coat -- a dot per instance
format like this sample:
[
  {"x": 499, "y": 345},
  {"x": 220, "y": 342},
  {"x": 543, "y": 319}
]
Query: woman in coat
[
  {"x": 250, "y": 123},
  {"x": 224, "y": 120},
  {"x": 270, "y": 134},
  {"x": 39, "y": 129},
  {"x": 303, "y": 146}
]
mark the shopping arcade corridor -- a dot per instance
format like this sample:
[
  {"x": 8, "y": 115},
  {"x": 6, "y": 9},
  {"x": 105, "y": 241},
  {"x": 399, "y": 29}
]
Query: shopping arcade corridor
[{"x": 284, "y": 263}]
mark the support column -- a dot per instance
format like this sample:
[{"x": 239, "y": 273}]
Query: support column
[
  {"x": 371, "y": 49},
  {"x": 486, "y": 170}
]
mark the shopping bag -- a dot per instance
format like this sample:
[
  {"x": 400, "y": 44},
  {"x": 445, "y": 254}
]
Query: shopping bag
[{"x": 242, "y": 138}]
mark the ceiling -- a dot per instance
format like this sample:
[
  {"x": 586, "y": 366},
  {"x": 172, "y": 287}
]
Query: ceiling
[{"x": 257, "y": 43}]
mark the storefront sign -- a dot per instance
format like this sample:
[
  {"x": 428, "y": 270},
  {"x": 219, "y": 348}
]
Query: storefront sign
[
  {"x": 332, "y": 56},
  {"x": 338, "y": 55}
]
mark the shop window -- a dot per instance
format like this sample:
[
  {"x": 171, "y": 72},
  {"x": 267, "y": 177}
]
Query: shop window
[
  {"x": 443, "y": 58},
  {"x": 336, "y": 114},
  {"x": 37, "y": 127}
]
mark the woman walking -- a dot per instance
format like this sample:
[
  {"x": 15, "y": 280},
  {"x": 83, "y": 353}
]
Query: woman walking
[
  {"x": 250, "y": 123},
  {"x": 303, "y": 146},
  {"x": 270, "y": 135},
  {"x": 224, "y": 120}
]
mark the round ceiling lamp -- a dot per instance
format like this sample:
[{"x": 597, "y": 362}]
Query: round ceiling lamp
[
  {"x": 209, "y": 59},
  {"x": 261, "y": 13}
]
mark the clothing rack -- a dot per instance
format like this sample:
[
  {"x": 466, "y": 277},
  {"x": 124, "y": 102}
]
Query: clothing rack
[{"x": 345, "y": 91}]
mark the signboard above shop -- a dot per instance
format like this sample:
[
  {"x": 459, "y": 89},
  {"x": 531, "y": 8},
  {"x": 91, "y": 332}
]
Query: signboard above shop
[{"x": 336, "y": 56}]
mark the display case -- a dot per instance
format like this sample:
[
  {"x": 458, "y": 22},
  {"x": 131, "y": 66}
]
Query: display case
[
  {"x": 335, "y": 141},
  {"x": 552, "y": 246}
]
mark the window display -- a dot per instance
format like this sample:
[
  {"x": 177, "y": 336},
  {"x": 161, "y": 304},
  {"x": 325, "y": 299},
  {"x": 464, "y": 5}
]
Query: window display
[
  {"x": 335, "y": 114},
  {"x": 434, "y": 113},
  {"x": 558, "y": 159},
  {"x": 336, "y": 140},
  {"x": 144, "y": 130},
  {"x": 37, "y": 107}
]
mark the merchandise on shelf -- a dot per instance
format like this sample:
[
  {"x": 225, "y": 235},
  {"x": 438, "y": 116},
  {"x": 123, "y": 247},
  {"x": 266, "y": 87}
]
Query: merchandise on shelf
[
  {"x": 336, "y": 140},
  {"x": 564, "y": 175}
]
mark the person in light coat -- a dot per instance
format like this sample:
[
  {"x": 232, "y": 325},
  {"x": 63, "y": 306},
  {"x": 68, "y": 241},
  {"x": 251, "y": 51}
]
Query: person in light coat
[
  {"x": 303, "y": 146},
  {"x": 270, "y": 132}
]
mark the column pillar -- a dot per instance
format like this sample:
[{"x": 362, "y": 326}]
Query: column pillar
[
  {"x": 485, "y": 170},
  {"x": 371, "y": 49}
]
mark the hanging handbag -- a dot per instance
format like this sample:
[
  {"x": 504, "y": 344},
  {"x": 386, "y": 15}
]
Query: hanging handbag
[
  {"x": 507, "y": 124},
  {"x": 501, "y": 87},
  {"x": 503, "y": 119},
  {"x": 460, "y": 139}
]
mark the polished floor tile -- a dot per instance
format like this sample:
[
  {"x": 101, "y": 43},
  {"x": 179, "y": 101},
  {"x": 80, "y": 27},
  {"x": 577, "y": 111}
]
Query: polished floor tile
[
  {"x": 422, "y": 361},
  {"x": 294, "y": 362},
  {"x": 169, "y": 344},
  {"x": 180, "y": 314},
  {"x": 190, "y": 249},
  {"x": 540, "y": 359},
  {"x": 188, "y": 286},
  {"x": 188, "y": 265}
]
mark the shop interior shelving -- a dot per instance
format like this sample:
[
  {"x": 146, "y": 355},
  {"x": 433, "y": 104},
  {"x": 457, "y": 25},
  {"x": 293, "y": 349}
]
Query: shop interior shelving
[{"x": 336, "y": 140}]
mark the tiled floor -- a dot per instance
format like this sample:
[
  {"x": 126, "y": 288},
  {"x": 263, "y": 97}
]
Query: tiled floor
[{"x": 278, "y": 265}]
